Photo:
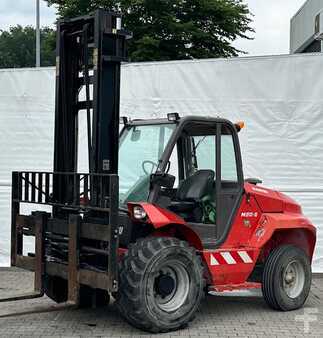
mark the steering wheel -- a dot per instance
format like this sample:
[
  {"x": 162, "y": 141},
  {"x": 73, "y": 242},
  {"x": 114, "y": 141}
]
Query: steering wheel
[{"x": 153, "y": 166}]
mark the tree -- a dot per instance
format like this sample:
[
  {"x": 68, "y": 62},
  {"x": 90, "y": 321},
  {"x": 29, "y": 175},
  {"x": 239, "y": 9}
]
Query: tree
[
  {"x": 18, "y": 49},
  {"x": 174, "y": 29}
]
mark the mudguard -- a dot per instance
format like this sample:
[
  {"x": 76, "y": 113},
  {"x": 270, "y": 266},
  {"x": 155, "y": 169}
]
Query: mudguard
[
  {"x": 161, "y": 219},
  {"x": 157, "y": 216}
]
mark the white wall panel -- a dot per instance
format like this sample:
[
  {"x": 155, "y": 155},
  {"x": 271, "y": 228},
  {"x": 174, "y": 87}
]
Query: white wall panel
[{"x": 277, "y": 97}]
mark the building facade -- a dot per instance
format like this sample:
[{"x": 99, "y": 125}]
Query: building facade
[{"x": 305, "y": 27}]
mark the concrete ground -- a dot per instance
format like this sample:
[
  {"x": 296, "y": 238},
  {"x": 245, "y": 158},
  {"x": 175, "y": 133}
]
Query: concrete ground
[{"x": 219, "y": 316}]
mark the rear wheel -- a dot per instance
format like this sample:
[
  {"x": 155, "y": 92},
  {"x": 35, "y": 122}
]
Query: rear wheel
[
  {"x": 161, "y": 284},
  {"x": 287, "y": 278}
]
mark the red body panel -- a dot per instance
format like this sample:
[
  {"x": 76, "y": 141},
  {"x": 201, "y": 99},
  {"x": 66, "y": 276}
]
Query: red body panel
[
  {"x": 268, "y": 200},
  {"x": 265, "y": 219},
  {"x": 157, "y": 216}
]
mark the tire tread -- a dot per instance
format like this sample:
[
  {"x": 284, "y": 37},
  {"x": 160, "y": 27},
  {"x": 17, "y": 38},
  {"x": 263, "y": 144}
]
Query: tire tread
[
  {"x": 269, "y": 283},
  {"x": 131, "y": 272}
]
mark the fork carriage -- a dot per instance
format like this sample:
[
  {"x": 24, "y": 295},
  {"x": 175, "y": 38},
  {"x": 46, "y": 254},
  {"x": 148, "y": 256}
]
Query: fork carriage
[{"x": 78, "y": 240}]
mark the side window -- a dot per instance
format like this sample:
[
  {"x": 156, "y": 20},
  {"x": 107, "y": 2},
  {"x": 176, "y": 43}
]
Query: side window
[
  {"x": 205, "y": 152},
  {"x": 228, "y": 159}
]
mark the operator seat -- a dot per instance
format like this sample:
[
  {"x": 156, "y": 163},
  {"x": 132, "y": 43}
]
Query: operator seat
[{"x": 190, "y": 195}]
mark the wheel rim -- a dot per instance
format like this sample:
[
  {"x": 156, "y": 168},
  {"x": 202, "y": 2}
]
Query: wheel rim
[
  {"x": 171, "y": 286},
  {"x": 294, "y": 279}
]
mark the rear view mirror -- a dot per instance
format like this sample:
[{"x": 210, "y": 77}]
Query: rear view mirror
[
  {"x": 163, "y": 180},
  {"x": 254, "y": 181}
]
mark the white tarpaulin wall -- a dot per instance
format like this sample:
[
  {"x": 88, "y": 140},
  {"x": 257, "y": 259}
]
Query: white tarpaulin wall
[{"x": 279, "y": 98}]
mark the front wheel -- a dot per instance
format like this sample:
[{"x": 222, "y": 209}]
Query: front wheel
[
  {"x": 287, "y": 278},
  {"x": 161, "y": 284}
]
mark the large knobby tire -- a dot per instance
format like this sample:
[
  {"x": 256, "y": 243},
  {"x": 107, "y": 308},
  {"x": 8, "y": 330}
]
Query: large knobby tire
[
  {"x": 287, "y": 278},
  {"x": 161, "y": 284}
]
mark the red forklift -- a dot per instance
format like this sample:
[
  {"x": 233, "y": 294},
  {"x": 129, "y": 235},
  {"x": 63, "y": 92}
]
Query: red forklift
[{"x": 163, "y": 213}]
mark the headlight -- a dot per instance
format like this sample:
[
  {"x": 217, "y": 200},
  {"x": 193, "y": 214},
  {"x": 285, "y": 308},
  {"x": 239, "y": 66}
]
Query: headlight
[{"x": 139, "y": 213}]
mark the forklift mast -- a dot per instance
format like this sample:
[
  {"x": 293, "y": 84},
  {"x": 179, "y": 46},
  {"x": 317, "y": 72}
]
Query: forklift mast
[
  {"x": 90, "y": 50},
  {"x": 77, "y": 242}
]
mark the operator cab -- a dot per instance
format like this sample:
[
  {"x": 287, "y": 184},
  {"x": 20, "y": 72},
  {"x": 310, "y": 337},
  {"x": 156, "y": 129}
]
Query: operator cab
[{"x": 190, "y": 166}]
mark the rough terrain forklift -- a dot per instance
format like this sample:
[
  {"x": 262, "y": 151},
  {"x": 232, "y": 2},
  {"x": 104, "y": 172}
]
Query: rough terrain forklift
[{"x": 162, "y": 215}]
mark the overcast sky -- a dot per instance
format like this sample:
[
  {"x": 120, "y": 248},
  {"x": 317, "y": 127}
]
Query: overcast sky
[{"x": 271, "y": 22}]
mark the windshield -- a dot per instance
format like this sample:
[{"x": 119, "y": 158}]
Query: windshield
[{"x": 141, "y": 148}]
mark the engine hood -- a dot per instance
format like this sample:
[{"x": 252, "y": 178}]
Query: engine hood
[{"x": 271, "y": 200}]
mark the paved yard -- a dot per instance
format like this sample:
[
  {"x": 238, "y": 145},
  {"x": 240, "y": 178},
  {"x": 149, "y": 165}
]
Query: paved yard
[{"x": 220, "y": 316}]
